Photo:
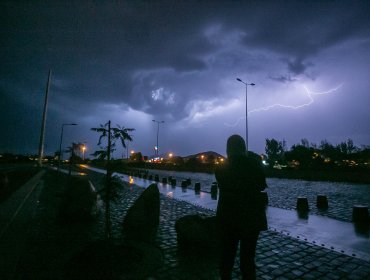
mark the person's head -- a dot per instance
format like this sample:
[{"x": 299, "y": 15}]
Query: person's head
[{"x": 235, "y": 146}]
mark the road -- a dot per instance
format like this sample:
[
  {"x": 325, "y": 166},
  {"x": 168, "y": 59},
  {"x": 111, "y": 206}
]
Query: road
[{"x": 16, "y": 214}]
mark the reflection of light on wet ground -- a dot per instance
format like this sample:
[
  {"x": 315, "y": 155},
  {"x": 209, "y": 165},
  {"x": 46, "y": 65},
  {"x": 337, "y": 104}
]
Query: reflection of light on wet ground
[
  {"x": 65, "y": 171},
  {"x": 320, "y": 230},
  {"x": 131, "y": 180}
]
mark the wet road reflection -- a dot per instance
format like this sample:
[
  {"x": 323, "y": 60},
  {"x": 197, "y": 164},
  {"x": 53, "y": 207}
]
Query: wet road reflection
[{"x": 333, "y": 234}]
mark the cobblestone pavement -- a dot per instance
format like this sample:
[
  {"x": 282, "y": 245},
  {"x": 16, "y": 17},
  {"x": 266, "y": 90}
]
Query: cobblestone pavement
[
  {"x": 277, "y": 257},
  {"x": 342, "y": 197},
  {"x": 283, "y": 193}
]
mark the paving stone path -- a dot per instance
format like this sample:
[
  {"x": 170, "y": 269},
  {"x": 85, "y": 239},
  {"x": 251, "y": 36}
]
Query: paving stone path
[
  {"x": 283, "y": 193},
  {"x": 277, "y": 257}
]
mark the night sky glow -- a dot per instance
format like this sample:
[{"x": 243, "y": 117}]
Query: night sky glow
[{"x": 177, "y": 61}]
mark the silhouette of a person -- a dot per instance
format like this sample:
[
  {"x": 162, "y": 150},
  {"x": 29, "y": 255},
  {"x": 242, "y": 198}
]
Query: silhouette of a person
[{"x": 240, "y": 210}]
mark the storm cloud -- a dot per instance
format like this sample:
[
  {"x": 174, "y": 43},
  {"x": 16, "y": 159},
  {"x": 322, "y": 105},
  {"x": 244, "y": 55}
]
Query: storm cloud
[{"x": 177, "y": 61}]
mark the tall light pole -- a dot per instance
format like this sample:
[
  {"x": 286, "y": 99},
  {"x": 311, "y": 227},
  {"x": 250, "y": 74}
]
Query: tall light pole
[
  {"x": 246, "y": 109},
  {"x": 42, "y": 134},
  {"x": 60, "y": 143},
  {"x": 157, "y": 147}
]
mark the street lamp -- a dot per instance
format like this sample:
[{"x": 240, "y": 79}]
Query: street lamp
[
  {"x": 83, "y": 152},
  {"x": 157, "y": 147},
  {"x": 60, "y": 143},
  {"x": 246, "y": 109}
]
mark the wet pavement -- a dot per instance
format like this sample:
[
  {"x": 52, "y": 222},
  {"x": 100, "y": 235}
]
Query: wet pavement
[
  {"x": 337, "y": 235},
  {"x": 278, "y": 256},
  {"x": 283, "y": 193}
]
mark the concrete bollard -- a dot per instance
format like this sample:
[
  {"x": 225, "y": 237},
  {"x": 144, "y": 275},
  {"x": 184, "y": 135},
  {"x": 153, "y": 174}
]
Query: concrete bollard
[
  {"x": 322, "y": 202},
  {"x": 214, "y": 191},
  {"x": 302, "y": 204},
  {"x": 164, "y": 180},
  {"x": 188, "y": 181},
  {"x": 360, "y": 214},
  {"x": 197, "y": 187},
  {"x": 265, "y": 198},
  {"x": 173, "y": 182},
  {"x": 156, "y": 178},
  {"x": 184, "y": 183}
]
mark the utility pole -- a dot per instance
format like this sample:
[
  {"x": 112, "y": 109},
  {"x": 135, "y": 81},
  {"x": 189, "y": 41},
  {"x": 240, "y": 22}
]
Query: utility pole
[{"x": 42, "y": 134}]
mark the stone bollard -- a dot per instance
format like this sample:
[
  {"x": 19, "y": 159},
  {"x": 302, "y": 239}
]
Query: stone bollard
[
  {"x": 188, "y": 181},
  {"x": 322, "y": 202},
  {"x": 265, "y": 198},
  {"x": 302, "y": 204},
  {"x": 150, "y": 177},
  {"x": 164, "y": 180},
  {"x": 184, "y": 183},
  {"x": 197, "y": 187},
  {"x": 156, "y": 178},
  {"x": 360, "y": 214},
  {"x": 173, "y": 182},
  {"x": 214, "y": 191}
]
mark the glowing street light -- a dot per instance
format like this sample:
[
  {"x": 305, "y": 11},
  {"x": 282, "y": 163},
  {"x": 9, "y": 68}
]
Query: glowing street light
[
  {"x": 60, "y": 143},
  {"x": 246, "y": 109},
  {"x": 83, "y": 152},
  {"x": 157, "y": 147}
]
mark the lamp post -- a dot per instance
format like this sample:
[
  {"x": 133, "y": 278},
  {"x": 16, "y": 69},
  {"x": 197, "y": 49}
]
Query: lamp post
[
  {"x": 43, "y": 123},
  {"x": 60, "y": 143},
  {"x": 246, "y": 109},
  {"x": 157, "y": 147},
  {"x": 83, "y": 152}
]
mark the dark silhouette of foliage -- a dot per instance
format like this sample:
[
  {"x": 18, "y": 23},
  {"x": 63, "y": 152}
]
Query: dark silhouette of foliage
[
  {"x": 112, "y": 134},
  {"x": 275, "y": 150},
  {"x": 300, "y": 153}
]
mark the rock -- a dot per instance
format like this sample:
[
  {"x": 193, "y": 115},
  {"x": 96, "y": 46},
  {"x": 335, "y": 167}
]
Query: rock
[
  {"x": 79, "y": 201},
  {"x": 142, "y": 219},
  {"x": 197, "y": 233}
]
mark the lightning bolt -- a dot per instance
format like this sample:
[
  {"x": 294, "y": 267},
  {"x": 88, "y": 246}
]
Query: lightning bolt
[{"x": 309, "y": 94}]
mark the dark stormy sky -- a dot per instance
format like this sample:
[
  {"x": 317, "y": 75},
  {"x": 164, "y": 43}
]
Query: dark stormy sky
[{"x": 177, "y": 61}]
